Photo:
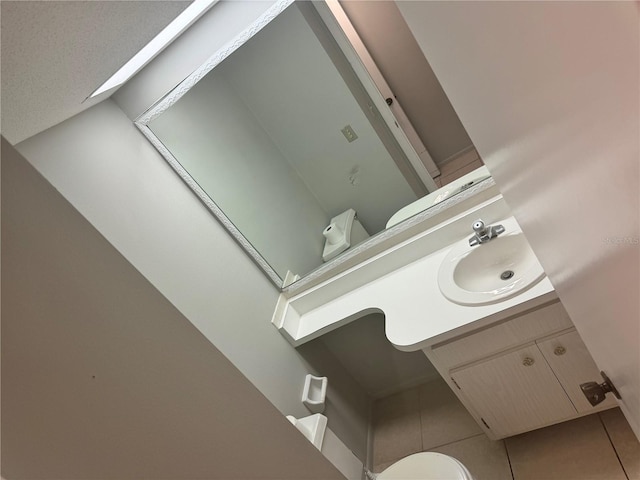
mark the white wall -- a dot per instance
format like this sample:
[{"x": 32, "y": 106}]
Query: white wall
[
  {"x": 289, "y": 82},
  {"x": 103, "y": 165},
  {"x": 384, "y": 32},
  {"x": 552, "y": 107},
  {"x": 103, "y": 378},
  {"x": 218, "y": 140},
  {"x": 366, "y": 353}
]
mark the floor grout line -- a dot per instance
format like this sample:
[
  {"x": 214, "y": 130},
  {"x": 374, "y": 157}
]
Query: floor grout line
[
  {"x": 424, "y": 435},
  {"x": 440, "y": 446},
  {"x": 420, "y": 416},
  {"x": 604, "y": 425},
  {"x": 506, "y": 449},
  {"x": 454, "y": 441}
]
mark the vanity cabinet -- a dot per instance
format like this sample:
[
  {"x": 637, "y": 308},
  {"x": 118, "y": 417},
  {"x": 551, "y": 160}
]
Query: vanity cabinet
[
  {"x": 572, "y": 364},
  {"x": 514, "y": 392},
  {"x": 522, "y": 374}
]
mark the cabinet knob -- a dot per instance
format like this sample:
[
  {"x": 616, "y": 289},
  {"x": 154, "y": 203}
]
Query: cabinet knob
[
  {"x": 559, "y": 351},
  {"x": 528, "y": 361}
]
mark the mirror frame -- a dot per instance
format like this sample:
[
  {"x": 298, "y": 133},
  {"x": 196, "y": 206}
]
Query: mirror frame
[
  {"x": 325, "y": 270},
  {"x": 176, "y": 94}
]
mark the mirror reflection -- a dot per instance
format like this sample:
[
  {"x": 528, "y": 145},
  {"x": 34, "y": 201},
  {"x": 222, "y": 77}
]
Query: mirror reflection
[{"x": 286, "y": 143}]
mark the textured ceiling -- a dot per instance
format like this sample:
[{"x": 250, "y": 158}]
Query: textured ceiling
[{"x": 55, "y": 53}]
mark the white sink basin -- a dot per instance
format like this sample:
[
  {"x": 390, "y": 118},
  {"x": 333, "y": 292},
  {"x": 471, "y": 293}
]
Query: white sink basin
[{"x": 491, "y": 272}]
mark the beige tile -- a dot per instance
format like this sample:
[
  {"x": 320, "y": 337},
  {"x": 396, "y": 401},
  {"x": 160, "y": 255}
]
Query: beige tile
[
  {"x": 624, "y": 441},
  {"x": 574, "y": 450},
  {"x": 444, "y": 419},
  {"x": 485, "y": 459},
  {"x": 383, "y": 466},
  {"x": 396, "y": 427}
]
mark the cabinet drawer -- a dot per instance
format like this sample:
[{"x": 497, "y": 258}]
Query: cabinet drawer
[
  {"x": 526, "y": 328},
  {"x": 571, "y": 362}
]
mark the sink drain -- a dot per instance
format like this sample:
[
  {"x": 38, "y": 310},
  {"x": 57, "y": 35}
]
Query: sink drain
[{"x": 507, "y": 274}]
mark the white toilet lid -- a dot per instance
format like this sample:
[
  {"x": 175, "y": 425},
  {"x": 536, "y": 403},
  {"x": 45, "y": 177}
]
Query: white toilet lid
[{"x": 426, "y": 466}]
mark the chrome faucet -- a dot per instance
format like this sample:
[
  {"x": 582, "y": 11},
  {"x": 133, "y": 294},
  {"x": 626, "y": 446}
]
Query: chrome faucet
[{"x": 483, "y": 234}]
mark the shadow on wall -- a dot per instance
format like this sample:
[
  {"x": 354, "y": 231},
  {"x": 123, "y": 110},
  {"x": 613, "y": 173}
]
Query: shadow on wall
[
  {"x": 348, "y": 405},
  {"x": 363, "y": 349},
  {"x": 361, "y": 365},
  {"x": 102, "y": 377}
]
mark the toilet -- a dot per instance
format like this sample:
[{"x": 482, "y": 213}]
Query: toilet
[
  {"x": 344, "y": 231},
  {"x": 457, "y": 186},
  {"x": 426, "y": 466}
]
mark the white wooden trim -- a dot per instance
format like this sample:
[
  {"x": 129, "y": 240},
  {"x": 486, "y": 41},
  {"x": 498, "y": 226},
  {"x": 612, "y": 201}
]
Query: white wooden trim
[
  {"x": 378, "y": 79},
  {"x": 342, "y": 30}
]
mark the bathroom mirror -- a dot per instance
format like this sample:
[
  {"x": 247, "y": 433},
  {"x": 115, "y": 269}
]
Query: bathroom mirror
[{"x": 279, "y": 139}]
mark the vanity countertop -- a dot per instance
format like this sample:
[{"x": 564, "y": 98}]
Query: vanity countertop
[
  {"x": 417, "y": 315},
  {"x": 426, "y": 317}
]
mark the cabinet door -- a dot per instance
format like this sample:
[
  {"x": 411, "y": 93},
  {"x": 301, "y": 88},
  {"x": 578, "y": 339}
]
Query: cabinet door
[
  {"x": 514, "y": 392},
  {"x": 571, "y": 362}
]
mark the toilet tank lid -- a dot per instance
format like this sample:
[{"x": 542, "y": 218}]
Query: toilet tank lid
[{"x": 426, "y": 466}]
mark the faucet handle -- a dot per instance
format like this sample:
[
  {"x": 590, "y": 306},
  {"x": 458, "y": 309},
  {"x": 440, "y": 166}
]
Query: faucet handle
[
  {"x": 483, "y": 233},
  {"x": 478, "y": 226},
  {"x": 497, "y": 230}
]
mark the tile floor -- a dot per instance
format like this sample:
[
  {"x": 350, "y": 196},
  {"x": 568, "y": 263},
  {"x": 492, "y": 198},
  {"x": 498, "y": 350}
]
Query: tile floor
[{"x": 429, "y": 417}]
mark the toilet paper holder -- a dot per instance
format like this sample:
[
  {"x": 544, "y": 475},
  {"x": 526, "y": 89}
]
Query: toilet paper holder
[{"x": 314, "y": 393}]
